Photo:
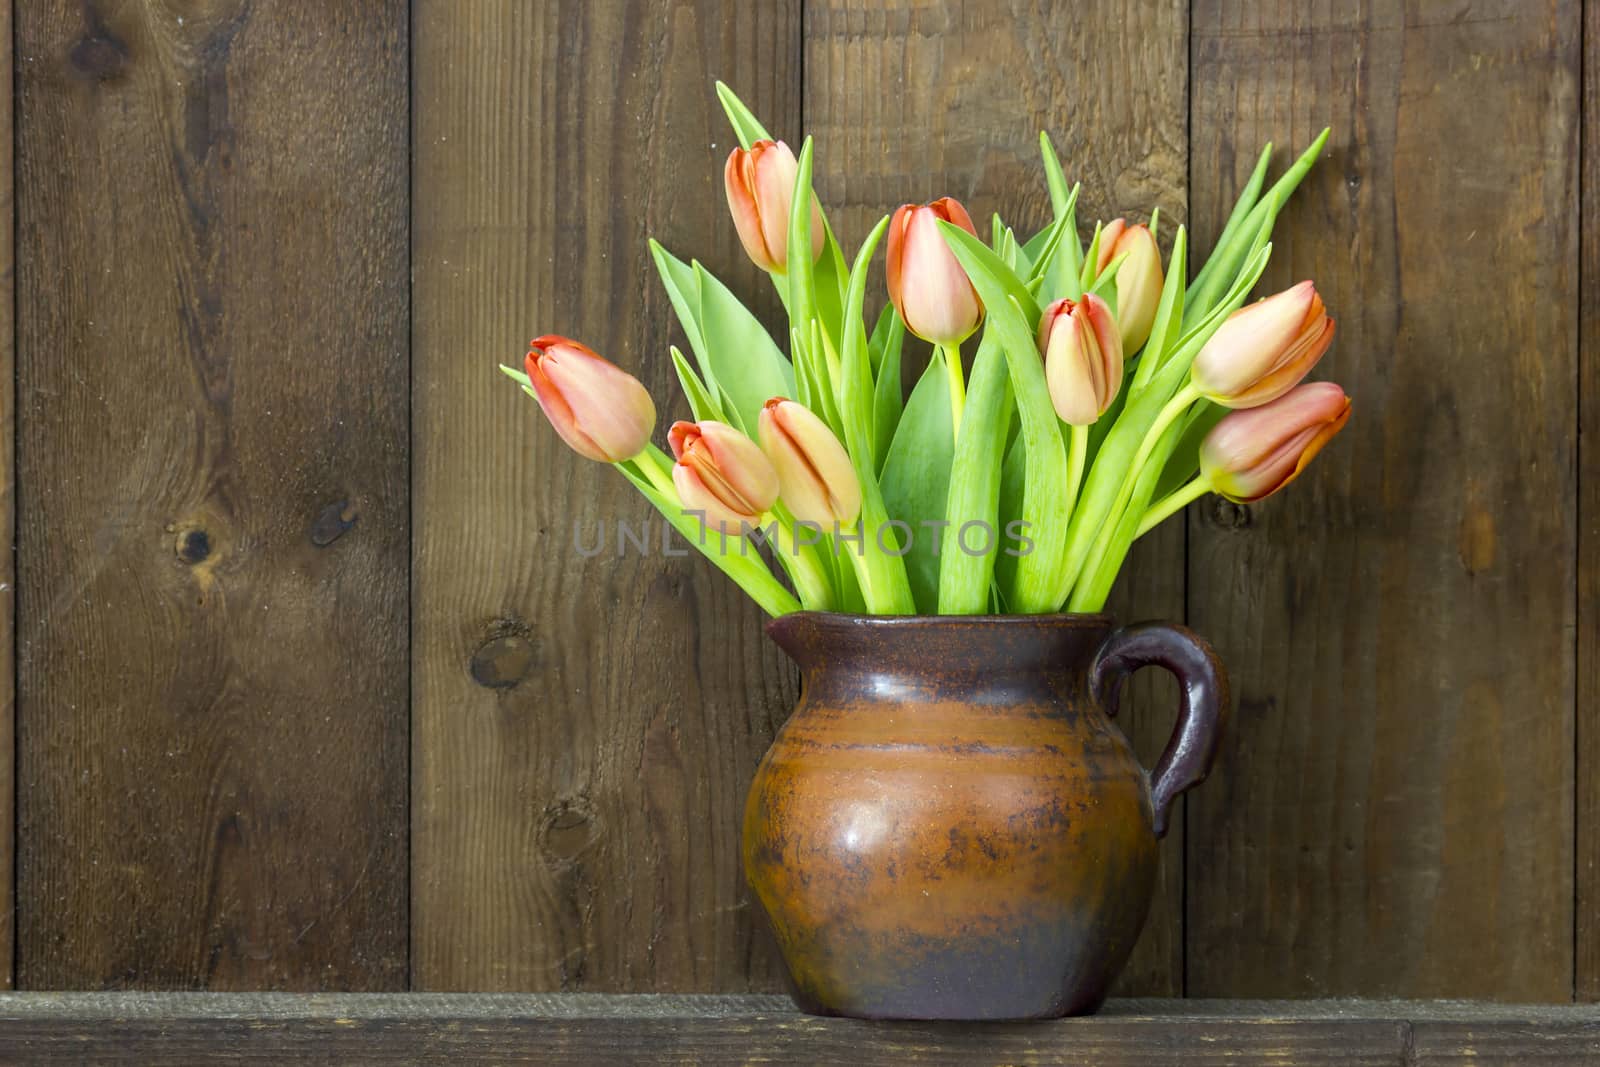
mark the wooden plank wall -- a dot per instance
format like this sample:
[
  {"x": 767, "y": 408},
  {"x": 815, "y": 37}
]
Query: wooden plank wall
[{"x": 312, "y": 689}]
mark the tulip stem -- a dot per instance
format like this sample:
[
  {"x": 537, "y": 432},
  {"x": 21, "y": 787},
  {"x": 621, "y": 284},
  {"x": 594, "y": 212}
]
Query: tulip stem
[
  {"x": 1077, "y": 454},
  {"x": 654, "y": 465},
  {"x": 811, "y": 581},
  {"x": 958, "y": 386},
  {"x": 1174, "y": 502}
]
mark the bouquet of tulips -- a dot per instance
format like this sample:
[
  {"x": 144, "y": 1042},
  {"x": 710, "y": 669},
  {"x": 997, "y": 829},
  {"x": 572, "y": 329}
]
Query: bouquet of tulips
[{"x": 1104, "y": 394}]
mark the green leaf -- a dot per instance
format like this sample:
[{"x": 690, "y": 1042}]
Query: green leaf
[
  {"x": 887, "y": 403},
  {"x": 748, "y": 368},
  {"x": 802, "y": 278},
  {"x": 916, "y": 477},
  {"x": 1060, "y": 199},
  {"x": 701, "y": 401},
  {"x": 517, "y": 376},
  {"x": 683, "y": 290},
  {"x": 965, "y": 574},
  {"x": 745, "y": 125},
  {"x": 1241, "y": 211},
  {"x": 1165, "y": 326},
  {"x": 997, "y": 233},
  {"x": 879, "y": 341}
]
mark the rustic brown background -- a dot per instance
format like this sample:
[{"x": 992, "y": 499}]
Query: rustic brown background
[{"x": 311, "y": 691}]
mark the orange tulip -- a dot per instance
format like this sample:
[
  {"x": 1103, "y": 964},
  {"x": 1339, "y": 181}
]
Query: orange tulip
[
  {"x": 1139, "y": 279},
  {"x": 815, "y": 477},
  {"x": 1264, "y": 350},
  {"x": 1082, "y": 351},
  {"x": 603, "y": 412},
  {"x": 926, "y": 282},
  {"x": 1250, "y": 455},
  {"x": 760, "y": 186},
  {"x": 721, "y": 474}
]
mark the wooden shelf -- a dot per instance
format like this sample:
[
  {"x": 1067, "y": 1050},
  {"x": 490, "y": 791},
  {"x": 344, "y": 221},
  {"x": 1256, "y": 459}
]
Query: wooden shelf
[{"x": 277, "y": 1028}]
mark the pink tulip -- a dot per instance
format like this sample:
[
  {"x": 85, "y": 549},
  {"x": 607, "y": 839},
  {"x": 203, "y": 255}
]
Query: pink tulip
[
  {"x": 1264, "y": 350},
  {"x": 1250, "y": 455},
  {"x": 1082, "y": 358},
  {"x": 722, "y": 474},
  {"x": 602, "y": 412},
  {"x": 1139, "y": 279},
  {"x": 815, "y": 476},
  {"x": 926, "y": 283},
  {"x": 760, "y": 185}
]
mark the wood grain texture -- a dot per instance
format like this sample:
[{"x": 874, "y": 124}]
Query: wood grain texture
[
  {"x": 584, "y": 1029},
  {"x": 911, "y": 100},
  {"x": 1393, "y": 810},
  {"x": 585, "y": 729},
  {"x": 212, "y": 544},
  {"x": 1587, "y": 978},
  {"x": 8, "y": 516}
]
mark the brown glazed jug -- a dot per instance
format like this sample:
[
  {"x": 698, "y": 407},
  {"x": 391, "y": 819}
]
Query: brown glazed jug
[{"x": 950, "y": 826}]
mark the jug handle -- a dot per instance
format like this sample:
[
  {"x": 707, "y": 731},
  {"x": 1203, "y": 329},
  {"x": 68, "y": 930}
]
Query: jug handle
[{"x": 1204, "y": 703}]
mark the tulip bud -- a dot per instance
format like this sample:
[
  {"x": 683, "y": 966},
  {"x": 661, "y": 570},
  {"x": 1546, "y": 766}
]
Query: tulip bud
[
  {"x": 1082, "y": 358},
  {"x": 721, "y": 473},
  {"x": 1264, "y": 350},
  {"x": 1250, "y": 455},
  {"x": 815, "y": 477},
  {"x": 1139, "y": 279},
  {"x": 601, "y": 411},
  {"x": 926, "y": 282},
  {"x": 760, "y": 185}
]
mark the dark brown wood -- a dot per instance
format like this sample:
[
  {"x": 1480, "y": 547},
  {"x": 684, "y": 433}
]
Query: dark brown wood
[
  {"x": 911, "y": 100},
  {"x": 1393, "y": 812},
  {"x": 584, "y": 1029},
  {"x": 214, "y": 519},
  {"x": 1587, "y": 979},
  {"x": 585, "y": 730},
  {"x": 8, "y": 500}
]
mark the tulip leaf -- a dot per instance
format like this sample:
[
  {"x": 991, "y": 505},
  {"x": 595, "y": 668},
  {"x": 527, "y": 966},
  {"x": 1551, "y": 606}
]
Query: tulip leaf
[
  {"x": 1038, "y": 580},
  {"x": 966, "y": 564},
  {"x": 1057, "y": 270},
  {"x": 1241, "y": 211},
  {"x": 882, "y": 572},
  {"x": 517, "y": 376},
  {"x": 975, "y": 256},
  {"x": 916, "y": 478},
  {"x": 1169, "y": 313},
  {"x": 887, "y": 402},
  {"x": 682, "y": 284},
  {"x": 997, "y": 233},
  {"x": 801, "y": 271},
  {"x": 748, "y": 368},
  {"x": 701, "y": 401},
  {"x": 882, "y": 333},
  {"x": 1054, "y": 178},
  {"x": 1013, "y": 480},
  {"x": 745, "y": 125},
  {"x": 1091, "y": 259},
  {"x": 1012, "y": 256}
]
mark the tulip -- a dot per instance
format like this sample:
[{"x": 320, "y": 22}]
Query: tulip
[
  {"x": 722, "y": 474},
  {"x": 926, "y": 282},
  {"x": 760, "y": 185},
  {"x": 1250, "y": 455},
  {"x": 1082, "y": 351},
  {"x": 816, "y": 479},
  {"x": 1264, "y": 350},
  {"x": 1139, "y": 279},
  {"x": 601, "y": 411}
]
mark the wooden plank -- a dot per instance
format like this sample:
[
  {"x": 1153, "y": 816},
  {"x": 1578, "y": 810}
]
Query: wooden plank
[
  {"x": 212, "y": 455},
  {"x": 1393, "y": 812},
  {"x": 8, "y": 499},
  {"x": 1587, "y": 978},
  {"x": 584, "y": 1029},
  {"x": 913, "y": 100},
  {"x": 584, "y": 729}
]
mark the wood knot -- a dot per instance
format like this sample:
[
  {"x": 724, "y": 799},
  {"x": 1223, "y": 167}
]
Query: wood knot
[
  {"x": 501, "y": 662},
  {"x": 568, "y": 828},
  {"x": 194, "y": 547},
  {"x": 98, "y": 57},
  {"x": 1227, "y": 515},
  {"x": 331, "y": 525}
]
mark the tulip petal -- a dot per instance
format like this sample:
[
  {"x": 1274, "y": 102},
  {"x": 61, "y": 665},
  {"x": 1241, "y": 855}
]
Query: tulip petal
[{"x": 1251, "y": 342}]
